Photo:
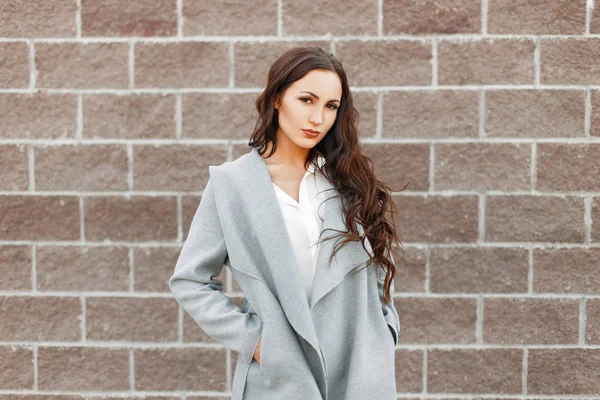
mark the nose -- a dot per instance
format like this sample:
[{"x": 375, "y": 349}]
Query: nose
[{"x": 317, "y": 117}]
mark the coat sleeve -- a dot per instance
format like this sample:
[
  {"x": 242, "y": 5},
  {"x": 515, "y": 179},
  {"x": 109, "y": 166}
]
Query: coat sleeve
[
  {"x": 195, "y": 288},
  {"x": 389, "y": 310}
]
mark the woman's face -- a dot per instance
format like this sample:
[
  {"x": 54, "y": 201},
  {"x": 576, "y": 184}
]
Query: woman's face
[{"x": 310, "y": 103}]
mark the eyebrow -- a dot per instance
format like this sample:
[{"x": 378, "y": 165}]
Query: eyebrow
[{"x": 317, "y": 97}]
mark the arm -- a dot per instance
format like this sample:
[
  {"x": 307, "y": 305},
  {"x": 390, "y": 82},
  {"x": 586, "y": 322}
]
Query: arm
[
  {"x": 389, "y": 310},
  {"x": 192, "y": 284}
]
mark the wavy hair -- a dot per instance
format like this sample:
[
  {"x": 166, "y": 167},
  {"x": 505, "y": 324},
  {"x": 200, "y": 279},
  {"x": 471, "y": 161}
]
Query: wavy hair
[{"x": 366, "y": 200}]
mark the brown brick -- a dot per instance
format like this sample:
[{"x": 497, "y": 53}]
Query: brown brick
[
  {"x": 592, "y": 323},
  {"x": 15, "y": 268},
  {"x": 437, "y": 218},
  {"x": 474, "y": 371},
  {"x": 230, "y": 19},
  {"x": 235, "y": 287},
  {"x": 38, "y": 397},
  {"x": 153, "y": 398},
  {"x": 99, "y": 397},
  {"x": 431, "y": 17},
  {"x": 184, "y": 64},
  {"x": 131, "y": 319},
  {"x": 386, "y": 63},
  {"x": 208, "y": 115},
  {"x": 34, "y": 19},
  {"x": 594, "y": 20},
  {"x": 595, "y": 234},
  {"x": 535, "y": 113},
  {"x": 39, "y": 218},
  {"x": 180, "y": 369},
  {"x": 446, "y": 397},
  {"x": 534, "y": 219},
  {"x": 14, "y": 65},
  {"x": 192, "y": 332},
  {"x": 232, "y": 291},
  {"x": 41, "y": 397},
  {"x": 410, "y": 269},
  {"x": 137, "y": 218},
  {"x": 90, "y": 167},
  {"x": 189, "y": 205},
  {"x": 537, "y": 18},
  {"x": 40, "y": 318},
  {"x": 82, "y": 65},
  {"x": 570, "y": 61},
  {"x": 486, "y": 61},
  {"x": 83, "y": 369},
  {"x": 437, "y": 320},
  {"x": 181, "y": 167},
  {"x": 595, "y": 113},
  {"x": 409, "y": 370},
  {"x": 16, "y": 364},
  {"x": 366, "y": 104},
  {"x": 239, "y": 149},
  {"x": 399, "y": 165},
  {"x": 252, "y": 60},
  {"x": 338, "y": 18},
  {"x": 128, "y": 18},
  {"x": 479, "y": 270},
  {"x": 571, "y": 167},
  {"x": 14, "y": 167},
  {"x": 482, "y": 166},
  {"x": 566, "y": 271},
  {"x": 431, "y": 114},
  {"x": 131, "y": 116},
  {"x": 77, "y": 268},
  {"x": 153, "y": 266},
  {"x": 37, "y": 116},
  {"x": 531, "y": 321},
  {"x": 563, "y": 371}
]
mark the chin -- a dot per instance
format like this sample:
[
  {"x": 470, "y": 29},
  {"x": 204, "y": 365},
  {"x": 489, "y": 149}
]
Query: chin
[
  {"x": 309, "y": 143},
  {"x": 305, "y": 143}
]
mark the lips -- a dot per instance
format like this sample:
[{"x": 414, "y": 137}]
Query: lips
[{"x": 310, "y": 134}]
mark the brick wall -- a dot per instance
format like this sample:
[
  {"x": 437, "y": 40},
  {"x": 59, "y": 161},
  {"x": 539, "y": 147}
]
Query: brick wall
[{"x": 112, "y": 112}]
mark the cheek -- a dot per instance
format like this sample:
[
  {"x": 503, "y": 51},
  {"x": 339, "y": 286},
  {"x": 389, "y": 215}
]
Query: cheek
[
  {"x": 331, "y": 118},
  {"x": 296, "y": 114}
]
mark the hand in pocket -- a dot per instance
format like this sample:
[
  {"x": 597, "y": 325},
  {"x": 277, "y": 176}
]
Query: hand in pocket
[{"x": 257, "y": 351}]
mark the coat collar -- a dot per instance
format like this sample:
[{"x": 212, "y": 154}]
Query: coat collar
[{"x": 280, "y": 269}]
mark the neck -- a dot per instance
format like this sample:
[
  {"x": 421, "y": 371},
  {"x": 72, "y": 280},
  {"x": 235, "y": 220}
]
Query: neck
[{"x": 288, "y": 152}]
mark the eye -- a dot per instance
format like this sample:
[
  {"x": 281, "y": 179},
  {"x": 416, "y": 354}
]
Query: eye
[{"x": 308, "y": 98}]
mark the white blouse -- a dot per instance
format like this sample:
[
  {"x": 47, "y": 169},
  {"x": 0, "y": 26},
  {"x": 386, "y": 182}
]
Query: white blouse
[{"x": 303, "y": 222}]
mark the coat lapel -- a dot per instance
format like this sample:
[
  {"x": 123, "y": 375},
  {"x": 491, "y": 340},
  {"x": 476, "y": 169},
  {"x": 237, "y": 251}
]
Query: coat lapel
[
  {"x": 350, "y": 256},
  {"x": 280, "y": 267},
  {"x": 281, "y": 264}
]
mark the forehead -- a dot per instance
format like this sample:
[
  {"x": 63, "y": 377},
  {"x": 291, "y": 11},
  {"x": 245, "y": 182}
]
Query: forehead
[{"x": 325, "y": 84}]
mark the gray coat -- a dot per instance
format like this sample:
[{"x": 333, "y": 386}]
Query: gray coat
[{"x": 339, "y": 345}]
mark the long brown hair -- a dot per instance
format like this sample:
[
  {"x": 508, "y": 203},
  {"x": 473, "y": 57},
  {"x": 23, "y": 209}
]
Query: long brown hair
[{"x": 366, "y": 200}]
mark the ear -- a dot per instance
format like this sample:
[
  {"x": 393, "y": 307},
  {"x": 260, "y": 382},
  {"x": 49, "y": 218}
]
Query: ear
[{"x": 277, "y": 102}]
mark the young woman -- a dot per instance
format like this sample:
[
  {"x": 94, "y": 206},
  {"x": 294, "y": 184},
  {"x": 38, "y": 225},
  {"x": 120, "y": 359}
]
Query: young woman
[{"x": 318, "y": 321}]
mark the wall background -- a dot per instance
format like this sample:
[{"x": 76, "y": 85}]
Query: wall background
[{"x": 112, "y": 112}]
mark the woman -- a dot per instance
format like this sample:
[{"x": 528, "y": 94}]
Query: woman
[{"x": 318, "y": 321}]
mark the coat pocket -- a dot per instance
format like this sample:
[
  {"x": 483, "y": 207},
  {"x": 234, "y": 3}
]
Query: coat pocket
[
  {"x": 391, "y": 333},
  {"x": 388, "y": 328},
  {"x": 261, "y": 340},
  {"x": 264, "y": 354}
]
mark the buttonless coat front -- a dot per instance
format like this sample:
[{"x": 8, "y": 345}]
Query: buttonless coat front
[{"x": 339, "y": 345}]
